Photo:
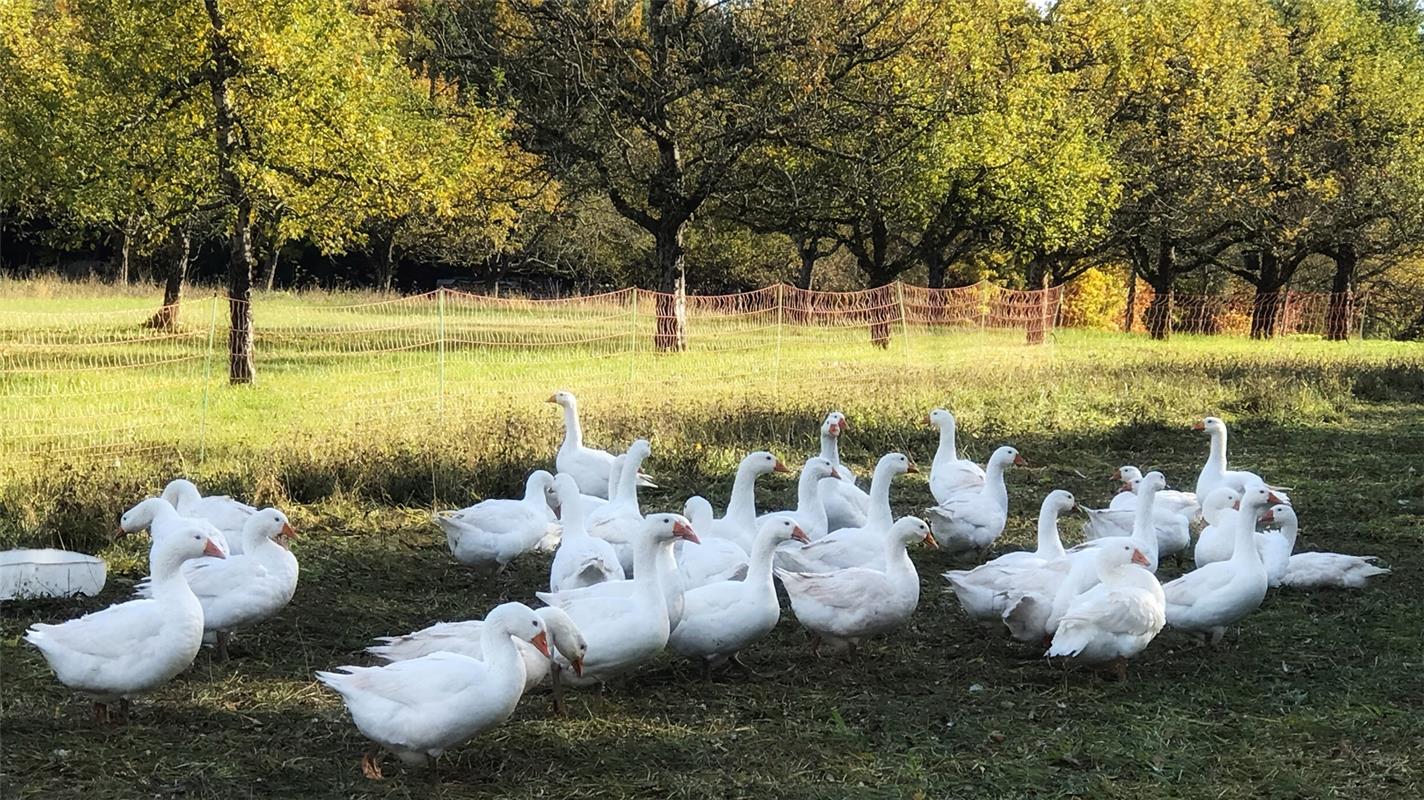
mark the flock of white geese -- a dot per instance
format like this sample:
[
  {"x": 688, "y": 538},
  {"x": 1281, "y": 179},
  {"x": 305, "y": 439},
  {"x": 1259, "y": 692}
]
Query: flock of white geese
[{"x": 624, "y": 585}]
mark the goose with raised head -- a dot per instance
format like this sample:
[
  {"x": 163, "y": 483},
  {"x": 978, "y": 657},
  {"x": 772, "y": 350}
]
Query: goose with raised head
[
  {"x": 134, "y": 647},
  {"x": 950, "y": 475},
  {"x": 978, "y": 589},
  {"x": 156, "y": 514},
  {"x": 1277, "y": 543},
  {"x": 244, "y": 589},
  {"x": 832, "y": 427},
  {"x": 588, "y": 466},
  {"x": 420, "y": 708},
  {"x": 810, "y": 512},
  {"x": 739, "y": 524},
  {"x": 625, "y": 623},
  {"x": 1173, "y": 530},
  {"x": 1214, "y": 472},
  {"x": 492, "y": 533},
  {"x": 711, "y": 560},
  {"x": 845, "y": 607},
  {"x": 973, "y": 521},
  {"x": 617, "y": 521},
  {"x": 1208, "y": 599},
  {"x": 1186, "y": 504},
  {"x": 720, "y": 619},
  {"x": 847, "y": 505},
  {"x": 1116, "y": 619},
  {"x": 1144, "y": 524},
  {"x": 467, "y": 639},
  {"x": 853, "y": 547},
  {"x": 582, "y": 559},
  {"x": 220, "y": 511}
]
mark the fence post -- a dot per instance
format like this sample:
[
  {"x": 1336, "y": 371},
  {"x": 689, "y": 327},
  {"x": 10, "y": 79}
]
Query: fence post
[
  {"x": 904, "y": 318},
  {"x": 780, "y": 304},
  {"x": 633, "y": 352},
  {"x": 207, "y": 381},
  {"x": 440, "y": 348}
]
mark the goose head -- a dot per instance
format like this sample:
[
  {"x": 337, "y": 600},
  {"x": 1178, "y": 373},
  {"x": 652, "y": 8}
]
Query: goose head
[
  {"x": 1060, "y": 501},
  {"x": 835, "y": 424},
  {"x": 1255, "y": 500},
  {"x": 269, "y": 523},
  {"x": 521, "y": 622},
  {"x": 941, "y": 419},
  {"x": 1212, "y": 425},
  {"x": 910, "y": 530},
  {"x": 143, "y": 514},
  {"x": 187, "y": 541},
  {"x": 817, "y": 468},
  {"x": 1120, "y": 554},
  {"x": 1007, "y": 456},
  {"x": 640, "y": 449},
  {"x": 1151, "y": 482},
  {"x": 895, "y": 464},
  {"x": 781, "y": 529},
  {"x": 540, "y": 484},
  {"x": 563, "y": 398},
  {"x": 698, "y": 511},
  {"x": 1126, "y": 473},
  {"x": 566, "y": 491},
  {"x": 567, "y": 638},
  {"x": 667, "y": 527},
  {"x": 761, "y": 462},
  {"x": 1281, "y": 514},
  {"x": 180, "y": 492}
]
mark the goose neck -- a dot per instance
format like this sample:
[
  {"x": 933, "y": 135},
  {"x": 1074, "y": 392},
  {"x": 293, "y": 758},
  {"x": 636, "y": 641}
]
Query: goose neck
[
  {"x": 880, "y": 514},
  {"x": 741, "y": 508},
  {"x": 831, "y": 449},
  {"x": 994, "y": 488},
  {"x": 947, "y": 453},
  {"x": 1243, "y": 549},
  {"x": 1050, "y": 546},
  {"x": 498, "y": 650},
  {"x": 573, "y": 431}
]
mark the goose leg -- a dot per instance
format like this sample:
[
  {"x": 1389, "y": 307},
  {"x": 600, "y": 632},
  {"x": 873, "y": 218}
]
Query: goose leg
[
  {"x": 706, "y": 670},
  {"x": 371, "y": 764},
  {"x": 221, "y": 654},
  {"x": 1216, "y": 635},
  {"x": 124, "y": 710},
  {"x": 101, "y": 712},
  {"x": 1119, "y": 668}
]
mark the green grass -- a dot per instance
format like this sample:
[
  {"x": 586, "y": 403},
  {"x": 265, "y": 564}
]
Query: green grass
[{"x": 1317, "y": 695}]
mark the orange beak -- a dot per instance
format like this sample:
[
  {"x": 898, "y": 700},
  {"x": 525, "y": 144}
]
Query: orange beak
[
  {"x": 800, "y": 535},
  {"x": 912, "y": 468},
  {"x": 212, "y": 549},
  {"x": 1272, "y": 497},
  {"x": 1199, "y": 426},
  {"x": 843, "y": 425},
  {"x": 1269, "y": 516},
  {"x": 541, "y": 643},
  {"x": 288, "y": 532},
  {"x": 1019, "y": 461},
  {"x": 1117, "y": 475},
  {"x": 835, "y": 474},
  {"x": 578, "y": 667},
  {"x": 930, "y": 541},
  {"x": 121, "y": 533},
  {"x": 1126, "y": 487},
  {"x": 1236, "y": 505},
  {"x": 1075, "y": 507},
  {"x": 929, "y": 420},
  {"x": 551, "y": 399},
  {"x": 1139, "y": 559},
  {"x": 780, "y": 467},
  {"x": 684, "y": 531}
]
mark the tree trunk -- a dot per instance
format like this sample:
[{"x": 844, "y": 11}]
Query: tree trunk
[
  {"x": 1037, "y": 323},
  {"x": 1270, "y": 298},
  {"x": 1131, "y": 312},
  {"x": 671, "y": 333},
  {"x": 388, "y": 263},
  {"x": 167, "y": 317},
  {"x": 273, "y": 255},
  {"x": 1340, "y": 316},
  {"x": 808, "y": 255},
  {"x": 1164, "y": 274},
  {"x": 240, "y": 261},
  {"x": 124, "y": 253}
]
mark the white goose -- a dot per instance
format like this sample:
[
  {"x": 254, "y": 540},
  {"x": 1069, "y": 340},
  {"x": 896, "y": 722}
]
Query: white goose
[
  {"x": 720, "y": 619},
  {"x": 244, "y": 589},
  {"x": 974, "y": 521},
  {"x": 1214, "y": 473},
  {"x": 847, "y": 505},
  {"x": 1216, "y": 540},
  {"x": 950, "y": 475},
  {"x": 467, "y": 639},
  {"x": 1331, "y": 571},
  {"x": 844, "y": 607},
  {"x": 739, "y": 524},
  {"x": 1187, "y": 504},
  {"x": 1277, "y": 544},
  {"x": 155, "y": 513},
  {"x": 832, "y": 427},
  {"x": 1144, "y": 523},
  {"x": 1031, "y": 610},
  {"x": 1116, "y": 619},
  {"x": 625, "y": 623},
  {"x": 978, "y": 589},
  {"x": 853, "y": 547},
  {"x": 588, "y": 466},
  {"x": 810, "y": 512},
  {"x": 1206, "y": 600},
  {"x": 134, "y": 647},
  {"x": 1173, "y": 530},
  {"x": 581, "y": 560},
  {"x": 220, "y": 511},
  {"x": 712, "y": 559},
  {"x": 617, "y": 522},
  {"x": 420, "y": 708},
  {"x": 491, "y": 533}
]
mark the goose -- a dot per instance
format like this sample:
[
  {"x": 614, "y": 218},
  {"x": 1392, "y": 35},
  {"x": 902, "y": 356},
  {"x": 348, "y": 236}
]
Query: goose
[
  {"x": 1187, "y": 504},
  {"x": 1116, "y": 619},
  {"x": 951, "y": 475},
  {"x": 467, "y": 639},
  {"x": 157, "y": 514},
  {"x": 616, "y": 522},
  {"x": 1032, "y": 608},
  {"x": 134, "y": 647},
  {"x": 974, "y": 521},
  {"x": 1276, "y": 545},
  {"x": 1330, "y": 571},
  {"x": 1208, "y": 599},
  {"x": 1144, "y": 524},
  {"x": 832, "y": 427},
  {"x": 491, "y": 533},
  {"x": 845, "y": 607},
  {"x": 739, "y": 524},
  {"x": 418, "y": 709},
  {"x": 810, "y": 512},
  {"x": 243, "y": 589},
  {"x": 713, "y": 559},
  {"x": 1218, "y": 538},
  {"x": 978, "y": 588},
  {"x": 846, "y": 504},
  {"x": 1215, "y": 474},
  {"x": 581, "y": 560},
  {"x": 1174, "y": 532},
  {"x": 222, "y": 512},
  {"x": 589, "y": 467},
  {"x": 853, "y": 547},
  {"x": 625, "y": 623},
  {"x": 720, "y": 619}
]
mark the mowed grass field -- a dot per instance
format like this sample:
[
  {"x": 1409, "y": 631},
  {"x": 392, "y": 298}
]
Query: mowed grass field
[{"x": 358, "y": 428}]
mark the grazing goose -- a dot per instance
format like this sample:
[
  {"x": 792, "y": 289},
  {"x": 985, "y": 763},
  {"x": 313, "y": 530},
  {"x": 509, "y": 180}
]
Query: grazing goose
[
  {"x": 137, "y": 646},
  {"x": 719, "y": 619},
  {"x": 490, "y": 534},
  {"x": 1208, "y": 599},
  {"x": 581, "y": 560},
  {"x": 853, "y": 547},
  {"x": 222, "y": 512},
  {"x": 244, "y": 589},
  {"x": 974, "y": 521},
  {"x": 711, "y": 560},
  {"x": 420, "y": 708},
  {"x": 588, "y": 466},
  {"x": 1214, "y": 473},
  {"x": 950, "y": 475},
  {"x": 1116, "y": 619},
  {"x": 467, "y": 639},
  {"x": 1186, "y": 504},
  {"x": 845, "y": 607},
  {"x": 979, "y": 589},
  {"x": 810, "y": 513}
]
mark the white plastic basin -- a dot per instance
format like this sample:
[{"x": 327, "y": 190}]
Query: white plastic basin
[{"x": 49, "y": 573}]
